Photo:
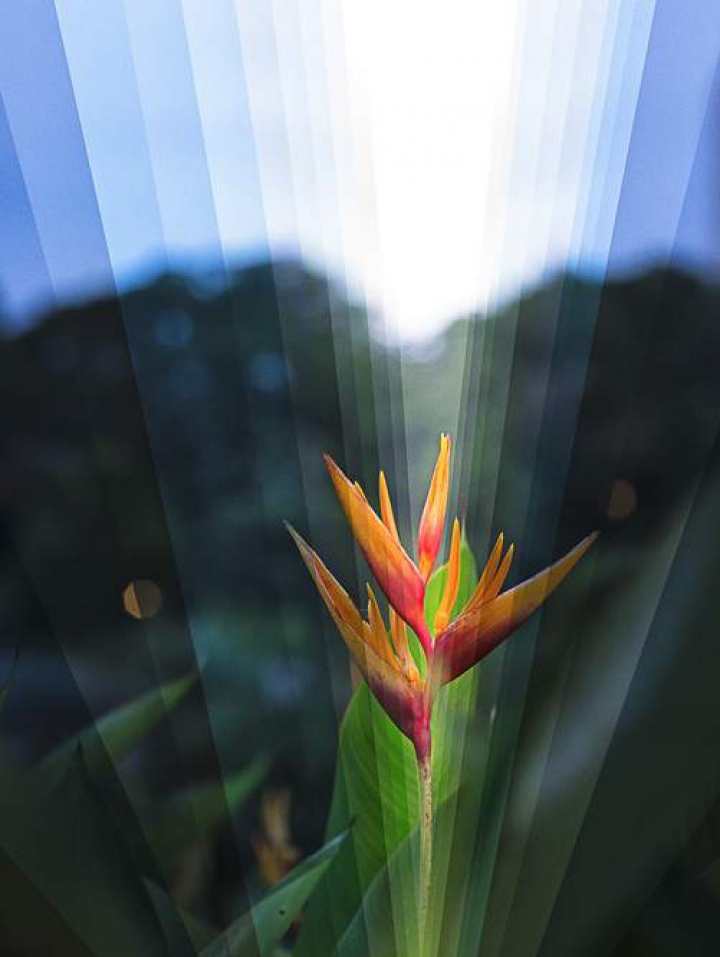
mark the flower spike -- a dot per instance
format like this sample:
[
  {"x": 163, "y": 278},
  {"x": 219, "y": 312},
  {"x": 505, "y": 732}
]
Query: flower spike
[
  {"x": 393, "y": 568},
  {"x": 432, "y": 521},
  {"x": 462, "y": 639}
]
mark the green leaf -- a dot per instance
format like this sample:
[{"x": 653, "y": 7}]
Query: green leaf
[
  {"x": 198, "y": 809},
  {"x": 260, "y": 930},
  {"x": 436, "y": 584},
  {"x": 30, "y": 923},
  {"x": 63, "y": 863},
  {"x": 115, "y": 735},
  {"x": 386, "y": 922},
  {"x": 185, "y": 934},
  {"x": 376, "y": 787},
  {"x": 636, "y": 717}
]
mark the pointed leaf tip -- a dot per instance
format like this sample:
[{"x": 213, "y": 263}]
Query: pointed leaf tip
[{"x": 113, "y": 736}]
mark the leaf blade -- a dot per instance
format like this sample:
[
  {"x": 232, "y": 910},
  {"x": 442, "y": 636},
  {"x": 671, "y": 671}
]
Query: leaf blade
[
  {"x": 117, "y": 733},
  {"x": 261, "y": 929}
]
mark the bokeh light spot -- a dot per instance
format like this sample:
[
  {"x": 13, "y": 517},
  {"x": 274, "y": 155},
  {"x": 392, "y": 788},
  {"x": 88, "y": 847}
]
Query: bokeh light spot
[
  {"x": 142, "y": 598},
  {"x": 623, "y": 500}
]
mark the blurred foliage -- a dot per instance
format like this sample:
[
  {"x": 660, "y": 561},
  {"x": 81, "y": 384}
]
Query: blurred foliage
[
  {"x": 163, "y": 437},
  {"x": 80, "y": 876}
]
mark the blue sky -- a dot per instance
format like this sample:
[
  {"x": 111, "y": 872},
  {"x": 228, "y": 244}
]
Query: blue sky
[{"x": 435, "y": 156}]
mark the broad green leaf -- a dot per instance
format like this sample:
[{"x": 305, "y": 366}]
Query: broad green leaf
[
  {"x": 115, "y": 735},
  {"x": 59, "y": 850},
  {"x": 185, "y": 934},
  {"x": 631, "y": 734},
  {"x": 375, "y": 929},
  {"x": 259, "y": 931},
  {"x": 376, "y": 787},
  {"x": 198, "y": 809},
  {"x": 30, "y": 923},
  {"x": 456, "y": 702},
  {"x": 461, "y": 740}
]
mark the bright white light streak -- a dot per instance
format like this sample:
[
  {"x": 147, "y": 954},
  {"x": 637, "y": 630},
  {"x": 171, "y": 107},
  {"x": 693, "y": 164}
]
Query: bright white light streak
[
  {"x": 302, "y": 86},
  {"x": 219, "y": 82},
  {"x": 399, "y": 148},
  {"x": 511, "y": 235},
  {"x": 104, "y": 85},
  {"x": 430, "y": 79},
  {"x": 587, "y": 118},
  {"x": 564, "y": 93},
  {"x": 619, "y": 87},
  {"x": 437, "y": 157},
  {"x": 446, "y": 161},
  {"x": 272, "y": 127}
]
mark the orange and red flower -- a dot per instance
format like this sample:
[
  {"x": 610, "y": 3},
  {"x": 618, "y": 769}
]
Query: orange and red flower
[{"x": 456, "y": 641}]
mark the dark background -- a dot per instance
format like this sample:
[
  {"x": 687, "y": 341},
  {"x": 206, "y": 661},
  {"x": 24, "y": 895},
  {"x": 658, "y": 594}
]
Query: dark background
[{"x": 163, "y": 438}]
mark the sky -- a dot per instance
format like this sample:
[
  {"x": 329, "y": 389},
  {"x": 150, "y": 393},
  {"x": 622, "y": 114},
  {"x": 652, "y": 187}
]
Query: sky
[{"x": 435, "y": 157}]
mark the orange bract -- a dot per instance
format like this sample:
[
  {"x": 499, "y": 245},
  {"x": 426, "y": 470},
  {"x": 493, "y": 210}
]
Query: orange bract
[
  {"x": 452, "y": 583},
  {"x": 488, "y": 622},
  {"x": 395, "y": 571},
  {"x": 432, "y": 522}
]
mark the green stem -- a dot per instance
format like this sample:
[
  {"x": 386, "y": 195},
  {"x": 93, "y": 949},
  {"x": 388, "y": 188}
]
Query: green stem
[{"x": 426, "y": 846}]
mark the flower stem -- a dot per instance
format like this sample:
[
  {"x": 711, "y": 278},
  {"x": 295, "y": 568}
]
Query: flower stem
[{"x": 426, "y": 846}]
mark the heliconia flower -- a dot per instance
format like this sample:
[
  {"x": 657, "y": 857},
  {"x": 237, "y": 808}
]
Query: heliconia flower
[{"x": 461, "y": 640}]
